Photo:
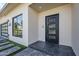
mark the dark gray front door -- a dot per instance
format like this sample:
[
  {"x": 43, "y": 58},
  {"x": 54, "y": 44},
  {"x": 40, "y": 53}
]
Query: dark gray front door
[{"x": 52, "y": 28}]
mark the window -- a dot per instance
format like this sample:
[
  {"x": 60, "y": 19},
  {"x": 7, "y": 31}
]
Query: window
[
  {"x": 4, "y": 29},
  {"x": 17, "y": 26}
]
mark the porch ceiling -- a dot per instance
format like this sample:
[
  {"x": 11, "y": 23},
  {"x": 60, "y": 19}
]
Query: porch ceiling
[
  {"x": 7, "y": 8},
  {"x": 40, "y": 7}
]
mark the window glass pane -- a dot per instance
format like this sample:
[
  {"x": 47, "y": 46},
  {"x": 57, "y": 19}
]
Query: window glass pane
[{"x": 17, "y": 26}]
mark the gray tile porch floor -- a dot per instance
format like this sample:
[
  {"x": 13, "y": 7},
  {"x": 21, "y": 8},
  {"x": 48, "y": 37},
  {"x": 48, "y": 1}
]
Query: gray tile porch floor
[
  {"x": 53, "y": 49},
  {"x": 38, "y": 48}
]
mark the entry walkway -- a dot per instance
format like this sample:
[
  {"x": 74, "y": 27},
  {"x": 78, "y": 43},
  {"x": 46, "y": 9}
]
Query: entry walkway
[{"x": 8, "y": 48}]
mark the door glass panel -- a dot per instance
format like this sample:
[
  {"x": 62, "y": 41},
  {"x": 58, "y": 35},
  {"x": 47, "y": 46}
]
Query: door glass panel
[
  {"x": 52, "y": 25},
  {"x": 52, "y": 29},
  {"x": 52, "y": 37},
  {"x": 52, "y": 32},
  {"x": 52, "y": 20},
  {"x": 4, "y": 29}
]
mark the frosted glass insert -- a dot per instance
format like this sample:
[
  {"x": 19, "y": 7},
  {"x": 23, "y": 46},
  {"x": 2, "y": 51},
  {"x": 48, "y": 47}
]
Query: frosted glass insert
[
  {"x": 52, "y": 20},
  {"x": 52, "y": 26},
  {"x": 52, "y": 32},
  {"x": 52, "y": 37}
]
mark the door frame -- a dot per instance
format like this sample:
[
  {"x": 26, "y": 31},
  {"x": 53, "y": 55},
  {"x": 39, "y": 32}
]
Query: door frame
[{"x": 46, "y": 27}]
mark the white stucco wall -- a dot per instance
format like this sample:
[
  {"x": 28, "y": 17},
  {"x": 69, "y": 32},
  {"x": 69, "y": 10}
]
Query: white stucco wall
[
  {"x": 32, "y": 26},
  {"x": 22, "y": 9},
  {"x": 64, "y": 24},
  {"x": 75, "y": 28}
]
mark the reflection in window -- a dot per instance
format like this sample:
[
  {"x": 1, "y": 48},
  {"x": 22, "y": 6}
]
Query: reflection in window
[{"x": 17, "y": 26}]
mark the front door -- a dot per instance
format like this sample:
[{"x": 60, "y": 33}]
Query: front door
[{"x": 52, "y": 28}]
